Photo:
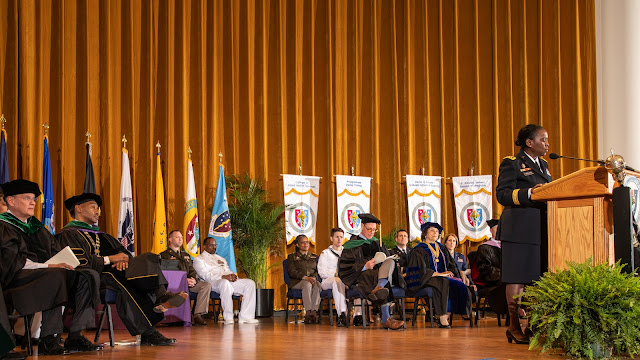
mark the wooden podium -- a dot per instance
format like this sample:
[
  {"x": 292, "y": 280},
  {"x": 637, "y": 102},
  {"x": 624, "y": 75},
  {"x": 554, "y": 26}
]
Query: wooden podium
[{"x": 580, "y": 217}]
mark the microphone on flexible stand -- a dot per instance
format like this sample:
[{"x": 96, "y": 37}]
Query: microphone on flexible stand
[{"x": 555, "y": 156}]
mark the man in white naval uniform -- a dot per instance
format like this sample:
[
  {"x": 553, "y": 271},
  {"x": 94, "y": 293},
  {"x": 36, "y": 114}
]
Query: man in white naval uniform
[
  {"x": 214, "y": 269},
  {"x": 328, "y": 271}
]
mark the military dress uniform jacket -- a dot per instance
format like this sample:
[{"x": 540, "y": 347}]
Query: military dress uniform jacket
[
  {"x": 522, "y": 228},
  {"x": 184, "y": 261},
  {"x": 299, "y": 266},
  {"x": 401, "y": 264}
]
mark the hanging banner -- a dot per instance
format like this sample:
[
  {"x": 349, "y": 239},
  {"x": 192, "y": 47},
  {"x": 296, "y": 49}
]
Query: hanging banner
[
  {"x": 354, "y": 198},
  {"x": 301, "y": 195},
  {"x": 424, "y": 195},
  {"x": 474, "y": 206}
]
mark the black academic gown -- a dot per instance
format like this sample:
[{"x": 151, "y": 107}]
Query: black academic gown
[
  {"x": 137, "y": 287},
  {"x": 449, "y": 295},
  {"x": 523, "y": 223},
  {"x": 24, "y": 288},
  {"x": 352, "y": 262}
]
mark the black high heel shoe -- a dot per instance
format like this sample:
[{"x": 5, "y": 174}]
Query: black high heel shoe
[{"x": 511, "y": 337}]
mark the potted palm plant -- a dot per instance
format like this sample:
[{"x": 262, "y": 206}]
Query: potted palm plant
[
  {"x": 258, "y": 232},
  {"x": 586, "y": 311}
]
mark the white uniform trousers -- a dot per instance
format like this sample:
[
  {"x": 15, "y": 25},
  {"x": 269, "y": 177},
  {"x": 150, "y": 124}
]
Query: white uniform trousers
[
  {"x": 339, "y": 290},
  {"x": 244, "y": 287}
]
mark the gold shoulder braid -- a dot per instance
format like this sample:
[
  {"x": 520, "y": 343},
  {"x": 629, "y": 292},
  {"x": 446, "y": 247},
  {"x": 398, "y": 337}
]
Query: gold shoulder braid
[{"x": 95, "y": 243}]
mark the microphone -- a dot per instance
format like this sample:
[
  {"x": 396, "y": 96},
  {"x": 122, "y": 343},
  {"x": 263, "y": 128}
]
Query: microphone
[{"x": 555, "y": 156}]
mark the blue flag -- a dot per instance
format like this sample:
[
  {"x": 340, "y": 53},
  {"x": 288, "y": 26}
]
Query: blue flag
[
  {"x": 220, "y": 225},
  {"x": 4, "y": 158},
  {"x": 47, "y": 190}
]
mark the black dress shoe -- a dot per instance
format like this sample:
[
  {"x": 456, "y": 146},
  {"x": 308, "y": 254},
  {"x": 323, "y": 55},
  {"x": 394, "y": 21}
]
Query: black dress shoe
[
  {"x": 155, "y": 338},
  {"x": 81, "y": 343},
  {"x": 342, "y": 320},
  {"x": 49, "y": 345},
  {"x": 12, "y": 355},
  {"x": 441, "y": 326},
  {"x": 357, "y": 320}
]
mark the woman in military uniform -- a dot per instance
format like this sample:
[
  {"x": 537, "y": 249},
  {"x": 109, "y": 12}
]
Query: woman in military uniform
[{"x": 523, "y": 225}]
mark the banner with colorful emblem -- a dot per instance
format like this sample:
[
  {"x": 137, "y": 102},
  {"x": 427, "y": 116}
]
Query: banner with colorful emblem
[
  {"x": 220, "y": 224},
  {"x": 354, "y": 198},
  {"x": 424, "y": 195},
  {"x": 474, "y": 206},
  {"x": 301, "y": 195}
]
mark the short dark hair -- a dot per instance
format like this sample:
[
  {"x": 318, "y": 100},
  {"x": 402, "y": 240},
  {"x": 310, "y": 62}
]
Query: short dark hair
[
  {"x": 207, "y": 238},
  {"x": 172, "y": 232},
  {"x": 527, "y": 132},
  {"x": 335, "y": 230},
  {"x": 299, "y": 237},
  {"x": 398, "y": 232}
]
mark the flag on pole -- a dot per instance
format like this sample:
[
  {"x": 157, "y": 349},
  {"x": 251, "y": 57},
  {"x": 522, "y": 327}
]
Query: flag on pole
[
  {"x": 159, "y": 217},
  {"x": 47, "y": 190},
  {"x": 4, "y": 158},
  {"x": 125, "y": 214},
  {"x": 190, "y": 225},
  {"x": 220, "y": 225},
  {"x": 89, "y": 179}
]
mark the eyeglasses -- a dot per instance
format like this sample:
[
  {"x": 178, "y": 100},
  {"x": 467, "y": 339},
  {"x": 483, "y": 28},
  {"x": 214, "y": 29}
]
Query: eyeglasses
[
  {"x": 370, "y": 229},
  {"x": 27, "y": 198}
]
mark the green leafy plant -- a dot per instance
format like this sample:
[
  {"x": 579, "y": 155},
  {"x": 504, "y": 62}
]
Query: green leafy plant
[
  {"x": 389, "y": 240},
  {"x": 257, "y": 224},
  {"x": 586, "y": 311}
]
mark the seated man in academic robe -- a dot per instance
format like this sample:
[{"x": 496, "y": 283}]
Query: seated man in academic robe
[
  {"x": 357, "y": 268},
  {"x": 31, "y": 286},
  {"x": 142, "y": 297}
]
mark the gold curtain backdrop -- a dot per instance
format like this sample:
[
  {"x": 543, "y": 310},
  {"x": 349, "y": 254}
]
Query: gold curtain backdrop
[{"x": 388, "y": 87}]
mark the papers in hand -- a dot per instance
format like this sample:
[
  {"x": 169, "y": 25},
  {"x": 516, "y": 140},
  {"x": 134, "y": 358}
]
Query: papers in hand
[
  {"x": 65, "y": 256},
  {"x": 380, "y": 257}
]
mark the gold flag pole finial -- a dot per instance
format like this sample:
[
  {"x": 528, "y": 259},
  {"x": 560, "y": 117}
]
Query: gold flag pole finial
[
  {"x": 45, "y": 126},
  {"x": 3, "y": 120},
  {"x": 300, "y": 169},
  {"x": 220, "y": 155},
  {"x": 189, "y": 152},
  {"x": 124, "y": 141},
  {"x": 158, "y": 146},
  {"x": 353, "y": 171},
  {"x": 88, "y": 135},
  {"x": 422, "y": 171}
]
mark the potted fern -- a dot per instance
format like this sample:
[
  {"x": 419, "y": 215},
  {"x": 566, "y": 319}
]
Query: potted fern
[
  {"x": 258, "y": 232},
  {"x": 586, "y": 311}
]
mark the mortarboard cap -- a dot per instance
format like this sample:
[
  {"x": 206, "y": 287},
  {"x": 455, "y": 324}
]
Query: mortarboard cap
[
  {"x": 20, "y": 186},
  {"x": 81, "y": 199},
  {"x": 367, "y": 218}
]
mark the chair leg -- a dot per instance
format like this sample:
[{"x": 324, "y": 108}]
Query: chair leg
[
  {"x": 330, "y": 301},
  {"x": 110, "y": 320},
  {"x": 215, "y": 311},
  {"x": 431, "y": 311},
  {"x": 470, "y": 310},
  {"x": 27, "y": 332},
  {"x": 365, "y": 317},
  {"x": 499, "y": 319},
  {"x": 404, "y": 314},
  {"x": 101, "y": 323},
  {"x": 416, "y": 304},
  {"x": 295, "y": 309},
  {"x": 286, "y": 311},
  {"x": 348, "y": 313}
]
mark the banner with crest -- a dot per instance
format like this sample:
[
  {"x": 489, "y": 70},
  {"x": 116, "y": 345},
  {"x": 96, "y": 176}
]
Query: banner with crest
[
  {"x": 301, "y": 195},
  {"x": 354, "y": 197},
  {"x": 424, "y": 195},
  {"x": 474, "y": 206}
]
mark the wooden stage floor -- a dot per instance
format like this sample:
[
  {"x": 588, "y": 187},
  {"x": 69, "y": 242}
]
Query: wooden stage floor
[{"x": 273, "y": 339}]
